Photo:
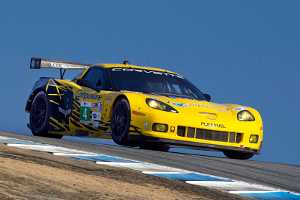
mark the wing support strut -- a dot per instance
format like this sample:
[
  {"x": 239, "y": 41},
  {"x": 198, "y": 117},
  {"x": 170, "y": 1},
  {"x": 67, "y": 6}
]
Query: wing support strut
[{"x": 62, "y": 73}]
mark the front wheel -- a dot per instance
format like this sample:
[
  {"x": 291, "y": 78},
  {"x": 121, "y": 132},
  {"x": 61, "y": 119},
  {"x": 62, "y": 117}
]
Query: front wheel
[
  {"x": 40, "y": 116},
  {"x": 238, "y": 155},
  {"x": 120, "y": 123}
]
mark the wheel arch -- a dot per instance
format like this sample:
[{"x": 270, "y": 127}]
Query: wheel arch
[
  {"x": 31, "y": 98},
  {"x": 116, "y": 99},
  {"x": 40, "y": 85}
]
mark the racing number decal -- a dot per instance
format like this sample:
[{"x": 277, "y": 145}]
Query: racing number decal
[{"x": 85, "y": 112}]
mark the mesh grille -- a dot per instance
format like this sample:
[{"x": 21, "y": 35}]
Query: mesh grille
[
  {"x": 190, "y": 132},
  {"x": 181, "y": 131},
  {"x": 238, "y": 137},
  {"x": 209, "y": 134},
  {"x": 232, "y": 138}
]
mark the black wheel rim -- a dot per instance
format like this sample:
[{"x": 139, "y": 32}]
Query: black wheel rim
[
  {"x": 39, "y": 113},
  {"x": 119, "y": 120}
]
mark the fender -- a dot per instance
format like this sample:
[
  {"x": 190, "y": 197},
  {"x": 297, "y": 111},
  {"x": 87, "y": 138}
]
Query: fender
[{"x": 41, "y": 84}]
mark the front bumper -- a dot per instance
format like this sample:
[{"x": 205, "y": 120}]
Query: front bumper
[{"x": 193, "y": 145}]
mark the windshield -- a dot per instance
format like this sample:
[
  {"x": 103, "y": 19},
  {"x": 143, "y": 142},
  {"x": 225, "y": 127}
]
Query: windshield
[{"x": 150, "y": 81}]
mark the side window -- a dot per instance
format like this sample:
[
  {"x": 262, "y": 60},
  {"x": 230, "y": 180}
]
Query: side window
[{"x": 96, "y": 75}]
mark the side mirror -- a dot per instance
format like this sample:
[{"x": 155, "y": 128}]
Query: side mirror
[
  {"x": 85, "y": 83},
  {"x": 207, "y": 97}
]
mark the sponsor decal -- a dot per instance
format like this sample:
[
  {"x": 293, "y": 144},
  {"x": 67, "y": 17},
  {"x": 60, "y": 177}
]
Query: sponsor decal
[
  {"x": 181, "y": 104},
  {"x": 94, "y": 107},
  {"x": 146, "y": 124},
  {"x": 85, "y": 103},
  {"x": 146, "y": 72},
  {"x": 138, "y": 113},
  {"x": 65, "y": 106},
  {"x": 97, "y": 107},
  {"x": 64, "y": 112},
  {"x": 198, "y": 105},
  {"x": 85, "y": 112},
  {"x": 131, "y": 91},
  {"x": 211, "y": 118},
  {"x": 81, "y": 133},
  {"x": 213, "y": 125},
  {"x": 174, "y": 97},
  {"x": 96, "y": 116},
  {"x": 239, "y": 108},
  {"x": 32, "y": 65},
  {"x": 35, "y": 63},
  {"x": 106, "y": 133},
  {"x": 95, "y": 124},
  {"x": 63, "y": 66},
  {"x": 54, "y": 65},
  {"x": 82, "y": 95},
  {"x": 100, "y": 107}
]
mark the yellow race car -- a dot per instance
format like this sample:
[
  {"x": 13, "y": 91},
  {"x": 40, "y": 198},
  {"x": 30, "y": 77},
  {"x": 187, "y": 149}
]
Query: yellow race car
[{"x": 139, "y": 106}]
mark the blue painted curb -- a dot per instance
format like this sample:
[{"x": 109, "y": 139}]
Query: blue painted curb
[
  {"x": 272, "y": 195},
  {"x": 189, "y": 177}
]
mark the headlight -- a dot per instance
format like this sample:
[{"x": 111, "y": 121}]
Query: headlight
[
  {"x": 156, "y": 104},
  {"x": 245, "y": 115}
]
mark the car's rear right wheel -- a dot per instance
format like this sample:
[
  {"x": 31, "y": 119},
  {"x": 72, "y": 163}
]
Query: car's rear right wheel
[
  {"x": 238, "y": 155},
  {"x": 40, "y": 116}
]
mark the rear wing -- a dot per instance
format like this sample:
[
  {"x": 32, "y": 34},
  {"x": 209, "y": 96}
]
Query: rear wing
[{"x": 38, "y": 63}]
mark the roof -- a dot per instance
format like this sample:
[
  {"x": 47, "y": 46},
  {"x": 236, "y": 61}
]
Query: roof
[{"x": 111, "y": 65}]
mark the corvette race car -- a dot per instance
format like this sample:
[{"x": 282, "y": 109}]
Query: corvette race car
[{"x": 139, "y": 106}]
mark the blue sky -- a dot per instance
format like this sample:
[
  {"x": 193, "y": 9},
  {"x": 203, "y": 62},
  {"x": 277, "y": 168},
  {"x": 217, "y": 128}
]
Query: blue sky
[{"x": 243, "y": 52}]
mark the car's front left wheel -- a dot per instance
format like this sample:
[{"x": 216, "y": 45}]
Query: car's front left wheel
[
  {"x": 120, "y": 123},
  {"x": 40, "y": 116}
]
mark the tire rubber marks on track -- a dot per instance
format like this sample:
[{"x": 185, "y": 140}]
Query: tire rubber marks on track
[{"x": 231, "y": 186}]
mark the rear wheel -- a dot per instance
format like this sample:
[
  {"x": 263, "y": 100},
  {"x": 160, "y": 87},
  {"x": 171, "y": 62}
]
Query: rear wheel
[
  {"x": 238, "y": 155},
  {"x": 120, "y": 123},
  {"x": 40, "y": 116}
]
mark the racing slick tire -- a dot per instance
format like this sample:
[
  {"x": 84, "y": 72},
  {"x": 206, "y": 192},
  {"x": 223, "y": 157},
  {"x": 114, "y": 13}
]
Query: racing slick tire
[
  {"x": 238, "y": 155},
  {"x": 40, "y": 116},
  {"x": 120, "y": 123}
]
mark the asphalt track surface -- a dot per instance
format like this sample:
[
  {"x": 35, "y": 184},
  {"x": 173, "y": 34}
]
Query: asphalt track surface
[{"x": 276, "y": 175}]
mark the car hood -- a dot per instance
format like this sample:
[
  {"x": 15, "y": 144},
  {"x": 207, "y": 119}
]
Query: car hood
[{"x": 183, "y": 104}]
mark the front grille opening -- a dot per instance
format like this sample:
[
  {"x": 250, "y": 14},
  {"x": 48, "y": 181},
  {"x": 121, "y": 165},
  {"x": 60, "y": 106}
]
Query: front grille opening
[
  {"x": 204, "y": 134},
  {"x": 180, "y": 131},
  {"x": 207, "y": 135},
  {"x": 224, "y": 136},
  {"x": 190, "y": 132},
  {"x": 200, "y": 133},
  {"x": 238, "y": 137},
  {"x": 232, "y": 138}
]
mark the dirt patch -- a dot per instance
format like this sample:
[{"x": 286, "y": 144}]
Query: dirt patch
[{"x": 26, "y": 174}]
